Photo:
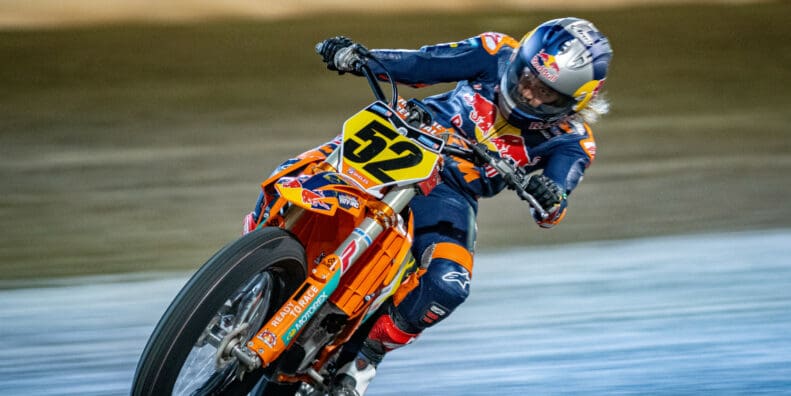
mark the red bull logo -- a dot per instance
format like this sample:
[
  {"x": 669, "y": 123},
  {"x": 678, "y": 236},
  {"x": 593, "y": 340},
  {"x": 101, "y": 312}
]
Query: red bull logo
[
  {"x": 314, "y": 199},
  {"x": 292, "y": 183},
  {"x": 483, "y": 111},
  {"x": 513, "y": 147},
  {"x": 546, "y": 65}
]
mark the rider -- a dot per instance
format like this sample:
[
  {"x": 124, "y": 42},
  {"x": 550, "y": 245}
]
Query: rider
[{"x": 530, "y": 102}]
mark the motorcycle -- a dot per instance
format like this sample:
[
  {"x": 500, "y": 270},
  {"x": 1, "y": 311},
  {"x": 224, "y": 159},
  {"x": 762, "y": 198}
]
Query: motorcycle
[{"x": 280, "y": 309}]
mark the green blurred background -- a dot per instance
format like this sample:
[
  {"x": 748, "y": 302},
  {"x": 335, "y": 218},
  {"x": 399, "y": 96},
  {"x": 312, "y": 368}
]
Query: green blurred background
[{"x": 140, "y": 147}]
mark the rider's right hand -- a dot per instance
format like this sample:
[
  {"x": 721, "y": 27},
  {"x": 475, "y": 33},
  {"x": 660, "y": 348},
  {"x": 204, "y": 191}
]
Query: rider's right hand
[{"x": 341, "y": 54}]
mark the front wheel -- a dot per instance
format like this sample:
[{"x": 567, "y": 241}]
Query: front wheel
[{"x": 226, "y": 301}]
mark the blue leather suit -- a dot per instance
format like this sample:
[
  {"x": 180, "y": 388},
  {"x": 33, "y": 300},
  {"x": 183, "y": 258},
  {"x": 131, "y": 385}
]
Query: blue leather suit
[{"x": 447, "y": 216}]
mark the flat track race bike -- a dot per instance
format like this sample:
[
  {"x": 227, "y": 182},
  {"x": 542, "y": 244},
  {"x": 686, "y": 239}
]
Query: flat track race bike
[{"x": 277, "y": 311}]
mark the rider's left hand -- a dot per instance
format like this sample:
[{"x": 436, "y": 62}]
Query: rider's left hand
[
  {"x": 341, "y": 54},
  {"x": 548, "y": 194}
]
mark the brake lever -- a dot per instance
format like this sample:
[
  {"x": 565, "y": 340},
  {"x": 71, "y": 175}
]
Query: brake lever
[{"x": 513, "y": 177}]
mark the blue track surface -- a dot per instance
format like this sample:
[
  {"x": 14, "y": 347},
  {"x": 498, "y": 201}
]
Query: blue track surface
[{"x": 707, "y": 314}]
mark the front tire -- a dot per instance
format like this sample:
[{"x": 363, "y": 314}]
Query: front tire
[{"x": 241, "y": 285}]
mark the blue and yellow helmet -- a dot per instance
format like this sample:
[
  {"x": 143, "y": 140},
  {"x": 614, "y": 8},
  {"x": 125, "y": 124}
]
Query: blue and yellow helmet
[{"x": 568, "y": 55}]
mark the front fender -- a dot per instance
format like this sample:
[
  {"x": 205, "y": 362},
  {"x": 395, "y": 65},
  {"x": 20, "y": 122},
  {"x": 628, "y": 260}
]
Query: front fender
[{"x": 323, "y": 193}]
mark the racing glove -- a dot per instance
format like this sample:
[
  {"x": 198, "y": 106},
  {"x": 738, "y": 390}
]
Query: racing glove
[
  {"x": 342, "y": 54},
  {"x": 549, "y": 195}
]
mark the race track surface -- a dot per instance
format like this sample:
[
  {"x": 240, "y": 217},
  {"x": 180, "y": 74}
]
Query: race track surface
[{"x": 707, "y": 314}]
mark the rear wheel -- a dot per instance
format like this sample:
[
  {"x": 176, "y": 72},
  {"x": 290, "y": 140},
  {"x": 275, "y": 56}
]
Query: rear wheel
[{"x": 223, "y": 304}]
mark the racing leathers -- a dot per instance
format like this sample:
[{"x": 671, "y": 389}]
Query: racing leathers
[{"x": 445, "y": 220}]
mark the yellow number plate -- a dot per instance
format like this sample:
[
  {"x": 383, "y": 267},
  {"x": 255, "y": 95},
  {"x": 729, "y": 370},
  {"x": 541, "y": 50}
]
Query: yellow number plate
[{"x": 376, "y": 155}]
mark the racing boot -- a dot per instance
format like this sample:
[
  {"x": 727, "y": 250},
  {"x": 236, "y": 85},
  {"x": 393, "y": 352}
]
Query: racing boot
[{"x": 354, "y": 377}]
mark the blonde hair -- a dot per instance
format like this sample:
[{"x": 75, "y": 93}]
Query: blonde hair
[{"x": 596, "y": 108}]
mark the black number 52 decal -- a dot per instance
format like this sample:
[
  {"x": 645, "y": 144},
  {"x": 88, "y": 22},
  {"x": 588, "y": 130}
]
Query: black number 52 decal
[{"x": 379, "y": 153}]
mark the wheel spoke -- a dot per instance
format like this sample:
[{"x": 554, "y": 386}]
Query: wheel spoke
[
  {"x": 197, "y": 369},
  {"x": 248, "y": 307}
]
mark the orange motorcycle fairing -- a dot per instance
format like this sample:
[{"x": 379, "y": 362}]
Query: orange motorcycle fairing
[
  {"x": 346, "y": 210},
  {"x": 361, "y": 289},
  {"x": 377, "y": 273},
  {"x": 307, "y": 163}
]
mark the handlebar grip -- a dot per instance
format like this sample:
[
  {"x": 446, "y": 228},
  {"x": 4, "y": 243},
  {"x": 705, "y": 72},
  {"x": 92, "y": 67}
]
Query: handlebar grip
[{"x": 458, "y": 152}]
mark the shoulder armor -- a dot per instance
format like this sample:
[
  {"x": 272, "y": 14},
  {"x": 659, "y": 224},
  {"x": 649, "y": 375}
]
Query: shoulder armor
[{"x": 492, "y": 42}]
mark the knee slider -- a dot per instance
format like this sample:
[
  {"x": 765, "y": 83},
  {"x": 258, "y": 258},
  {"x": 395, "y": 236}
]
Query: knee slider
[
  {"x": 450, "y": 272},
  {"x": 450, "y": 281}
]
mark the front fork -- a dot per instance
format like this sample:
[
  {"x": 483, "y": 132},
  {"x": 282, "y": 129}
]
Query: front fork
[{"x": 278, "y": 333}]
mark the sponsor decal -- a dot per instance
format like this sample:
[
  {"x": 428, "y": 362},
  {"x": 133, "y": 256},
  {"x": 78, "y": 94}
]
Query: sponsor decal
[
  {"x": 309, "y": 292},
  {"x": 290, "y": 182},
  {"x": 544, "y": 125},
  {"x": 462, "y": 278},
  {"x": 313, "y": 198},
  {"x": 546, "y": 65},
  {"x": 483, "y": 111},
  {"x": 434, "y": 313},
  {"x": 307, "y": 313},
  {"x": 331, "y": 263},
  {"x": 303, "y": 308},
  {"x": 283, "y": 313},
  {"x": 358, "y": 177},
  {"x": 296, "y": 306},
  {"x": 347, "y": 255},
  {"x": 512, "y": 147},
  {"x": 320, "y": 257},
  {"x": 268, "y": 338},
  {"x": 582, "y": 31},
  {"x": 439, "y": 310},
  {"x": 456, "y": 120},
  {"x": 348, "y": 201}
]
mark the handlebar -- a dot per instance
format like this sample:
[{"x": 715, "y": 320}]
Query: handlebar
[
  {"x": 513, "y": 176},
  {"x": 374, "y": 83}
]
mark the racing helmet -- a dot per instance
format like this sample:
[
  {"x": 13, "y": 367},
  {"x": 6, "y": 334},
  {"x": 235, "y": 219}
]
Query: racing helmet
[{"x": 569, "y": 56}]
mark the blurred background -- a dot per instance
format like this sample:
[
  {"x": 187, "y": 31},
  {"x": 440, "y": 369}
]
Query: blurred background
[{"x": 134, "y": 134}]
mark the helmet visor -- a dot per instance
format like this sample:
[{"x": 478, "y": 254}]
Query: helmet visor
[{"x": 523, "y": 87}]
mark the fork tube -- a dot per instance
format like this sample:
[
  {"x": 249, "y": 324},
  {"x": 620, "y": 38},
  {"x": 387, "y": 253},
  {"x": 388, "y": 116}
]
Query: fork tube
[
  {"x": 293, "y": 214},
  {"x": 370, "y": 228}
]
